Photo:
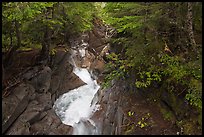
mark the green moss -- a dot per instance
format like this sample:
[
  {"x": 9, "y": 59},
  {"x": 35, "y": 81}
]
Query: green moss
[
  {"x": 200, "y": 119},
  {"x": 168, "y": 115},
  {"x": 25, "y": 48}
]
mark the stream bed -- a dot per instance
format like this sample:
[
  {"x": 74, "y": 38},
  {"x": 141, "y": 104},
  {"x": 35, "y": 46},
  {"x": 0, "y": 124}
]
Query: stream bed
[{"x": 75, "y": 107}]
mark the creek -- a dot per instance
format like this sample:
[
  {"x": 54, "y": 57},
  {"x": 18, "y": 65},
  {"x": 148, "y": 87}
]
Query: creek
[{"x": 75, "y": 107}]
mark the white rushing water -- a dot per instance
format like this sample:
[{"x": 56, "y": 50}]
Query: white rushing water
[{"x": 76, "y": 107}]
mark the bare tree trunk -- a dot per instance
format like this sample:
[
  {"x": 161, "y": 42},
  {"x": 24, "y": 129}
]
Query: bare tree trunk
[
  {"x": 18, "y": 35},
  {"x": 11, "y": 39},
  {"x": 66, "y": 33},
  {"x": 44, "y": 55},
  {"x": 190, "y": 25},
  {"x": 3, "y": 73},
  {"x": 145, "y": 29},
  {"x": 9, "y": 55}
]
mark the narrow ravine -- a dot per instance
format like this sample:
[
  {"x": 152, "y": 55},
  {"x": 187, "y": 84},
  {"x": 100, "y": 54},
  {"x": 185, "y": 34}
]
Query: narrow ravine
[
  {"x": 75, "y": 107},
  {"x": 101, "y": 68}
]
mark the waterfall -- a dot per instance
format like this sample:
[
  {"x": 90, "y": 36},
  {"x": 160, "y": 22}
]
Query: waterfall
[{"x": 75, "y": 107}]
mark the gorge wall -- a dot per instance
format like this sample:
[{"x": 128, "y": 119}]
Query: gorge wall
[
  {"x": 27, "y": 106},
  {"x": 28, "y": 109}
]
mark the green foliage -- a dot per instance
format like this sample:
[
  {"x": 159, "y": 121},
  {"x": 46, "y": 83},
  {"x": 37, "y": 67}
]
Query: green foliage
[
  {"x": 79, "y": 15},
  {"x": 147, "y": 78},
  {"x": 130, "y": 113},
  {"x": 181, "y": 74},
  {"x": 118, "y": 69},
  {"x": 143, "y": 122},
  {"x": 53, "y": 52},
  {"x": 62, "y": 19},
  {"x": 142, "y": 29},
  {"x": 194, "y": 95},
  {"x": 197, "y": 14},
  {"x": 174, "y": 69},
  {"x": 25, "y": 49}
]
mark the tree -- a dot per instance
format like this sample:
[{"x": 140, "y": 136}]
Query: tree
[
  {"x": 147, "y": 33},
  {"x": 42, "y": 24},
  {"x": 190, "y": 25},
  {"x": 17, "y": 14}
]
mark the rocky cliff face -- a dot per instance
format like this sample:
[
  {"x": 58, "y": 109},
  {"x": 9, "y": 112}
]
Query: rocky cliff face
[
  {"x": 125, "y": 113},
  {"x": 27, "y": 109},
  {"x": 26, "y": 114}
]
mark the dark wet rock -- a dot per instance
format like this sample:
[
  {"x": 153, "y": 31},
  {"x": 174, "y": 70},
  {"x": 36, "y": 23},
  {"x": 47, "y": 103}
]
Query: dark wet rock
[
  {"x": 63, "y": 130},
  {"x": 28, "y": 74},
  {"x": 55, "y": 83},
  {"x": 112, "y": 116},
  {"x": 71, "y": 81},
  {"x": 87, "y": 60},
  {"x": 107, "y": 112},
  {"x": 107, "y": 127},
  {"x": 51, "y": 124},
  {"x": 41, "y": 83},
  {"x": 39, "y": 118},
  {"x": 97, "y": 66},
  {"x": 19, "y": 128},
  {"x": 59, "y": 57},
  {"x": 9, "y": 104},
  {"x": 178, "y": 106},
  {"x": 63, "y": 79},
  {"x": 44, "y": 100},
  {"x": 53, "y": 98},
  {"x": 94, "y": 42},
  {"x": 47, "y": 122},
  {"x": 15, "y": 110},
  {"x": 118, "y": 121},
  {"x": 35, "y": 115},
  {"x": 8, "y": 107},
  {"x": 97, "y": 39}
]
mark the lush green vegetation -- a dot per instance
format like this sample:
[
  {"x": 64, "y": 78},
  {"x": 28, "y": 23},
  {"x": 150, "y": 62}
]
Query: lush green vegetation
[
  {"x": 42, "y": 24},
  {"x": 157, "y": 46}
]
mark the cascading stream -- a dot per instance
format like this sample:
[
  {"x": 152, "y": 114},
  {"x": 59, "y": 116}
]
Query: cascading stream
[{"x": 75, "y": 107}]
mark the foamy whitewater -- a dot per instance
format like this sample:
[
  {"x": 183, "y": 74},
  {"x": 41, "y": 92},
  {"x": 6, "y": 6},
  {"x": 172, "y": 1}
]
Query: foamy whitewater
[{"x": 77, "y": 105}]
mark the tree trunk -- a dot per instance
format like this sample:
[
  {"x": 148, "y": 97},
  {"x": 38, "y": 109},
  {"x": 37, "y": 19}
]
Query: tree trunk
[
  {"x": 11, "y": 39},
  {"x": 44, "y": 55},
  {"x": 18, "y": 35},
  {"x": 3, "y": 73},
  {"x": 66, "y": 35},
  {"x": 145, "y": 31},
  {"x": 10, "y": 54},
  {"x": 190, "y": 25}
]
